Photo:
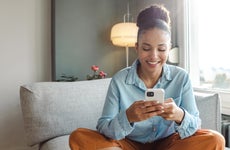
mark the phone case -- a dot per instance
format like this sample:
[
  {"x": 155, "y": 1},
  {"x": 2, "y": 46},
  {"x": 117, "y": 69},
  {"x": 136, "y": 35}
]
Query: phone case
[{"x": 155, "y": 94}]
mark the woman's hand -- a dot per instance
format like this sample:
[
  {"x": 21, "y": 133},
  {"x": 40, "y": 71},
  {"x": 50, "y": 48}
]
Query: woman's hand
[
  {"x": 142, "y": 110},
  {"x": 172, "y": 111}
]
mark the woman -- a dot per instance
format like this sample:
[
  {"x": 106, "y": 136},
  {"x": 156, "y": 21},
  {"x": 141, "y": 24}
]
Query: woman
[{"x": 128, "y": 121}]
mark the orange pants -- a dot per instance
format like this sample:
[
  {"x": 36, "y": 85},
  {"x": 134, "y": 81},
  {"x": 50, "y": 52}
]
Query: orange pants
[{"x": 86, "y": 139}]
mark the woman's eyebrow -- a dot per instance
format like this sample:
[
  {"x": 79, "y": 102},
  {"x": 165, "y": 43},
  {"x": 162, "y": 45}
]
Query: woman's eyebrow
[
  {"x": 163, "y": 44},
  {"x": 146, "y": 44}
]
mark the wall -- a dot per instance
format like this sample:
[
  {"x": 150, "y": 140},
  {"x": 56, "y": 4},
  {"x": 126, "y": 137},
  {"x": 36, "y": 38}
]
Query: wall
[
  {"x": 82, "y": 37},
  {"x": 82, "y": 34},
  {"x": 24, "y": 58}
]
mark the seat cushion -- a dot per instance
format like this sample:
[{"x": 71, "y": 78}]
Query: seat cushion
[{"x": 58, "y": 143}]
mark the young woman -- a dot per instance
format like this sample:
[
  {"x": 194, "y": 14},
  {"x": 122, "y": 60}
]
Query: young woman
[{"x": 128, "y": 121}]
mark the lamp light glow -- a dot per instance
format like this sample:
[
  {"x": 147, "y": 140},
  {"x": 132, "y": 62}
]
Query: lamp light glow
[{"x": 124, "y": 34}]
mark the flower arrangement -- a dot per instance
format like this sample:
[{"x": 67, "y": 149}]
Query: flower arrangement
[{"x": 96, "y": 73}]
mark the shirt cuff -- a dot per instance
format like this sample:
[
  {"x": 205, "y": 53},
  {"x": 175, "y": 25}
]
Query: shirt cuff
[
  {"x": 188, "y": 125},
  {"x": 125, "y": 125}
]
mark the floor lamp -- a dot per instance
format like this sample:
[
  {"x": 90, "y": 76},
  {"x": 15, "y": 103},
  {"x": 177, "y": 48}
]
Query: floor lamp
[{"x": 124, "y": 34}]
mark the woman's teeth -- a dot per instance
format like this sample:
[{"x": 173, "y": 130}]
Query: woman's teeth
[{"x": 152, "y": 62}]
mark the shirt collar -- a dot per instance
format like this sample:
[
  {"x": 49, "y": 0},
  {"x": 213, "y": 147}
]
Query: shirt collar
[{"x": 133, "y": 78}]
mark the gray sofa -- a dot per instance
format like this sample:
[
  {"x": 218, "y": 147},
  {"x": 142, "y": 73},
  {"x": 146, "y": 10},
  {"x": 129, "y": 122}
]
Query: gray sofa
[{"x": 52, "y": 110}]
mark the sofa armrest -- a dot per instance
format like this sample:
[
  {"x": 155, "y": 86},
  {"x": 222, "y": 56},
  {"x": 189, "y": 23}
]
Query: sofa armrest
[{"x": 52, "y": 109}]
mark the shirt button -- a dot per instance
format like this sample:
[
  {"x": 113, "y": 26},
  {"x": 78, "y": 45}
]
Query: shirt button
[{"x": 154, "y": 129}]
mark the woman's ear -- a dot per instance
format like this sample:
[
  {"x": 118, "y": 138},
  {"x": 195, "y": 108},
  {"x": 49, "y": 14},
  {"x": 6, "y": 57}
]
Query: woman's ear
[{"x": 136, "y": 47}]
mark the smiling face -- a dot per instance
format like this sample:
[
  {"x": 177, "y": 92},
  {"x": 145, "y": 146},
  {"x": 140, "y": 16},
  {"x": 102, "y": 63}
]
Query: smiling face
[{"x": 153, "y": 49}]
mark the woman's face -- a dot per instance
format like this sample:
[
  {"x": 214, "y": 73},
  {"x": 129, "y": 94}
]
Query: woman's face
[{"x": 153, "y": 48}]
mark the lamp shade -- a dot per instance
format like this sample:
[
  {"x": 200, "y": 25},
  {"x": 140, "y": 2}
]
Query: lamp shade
[{"x": 124, "y": 34}]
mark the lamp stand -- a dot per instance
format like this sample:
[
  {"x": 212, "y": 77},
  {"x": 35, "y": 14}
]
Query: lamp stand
[{"x": 127, "y": 55}]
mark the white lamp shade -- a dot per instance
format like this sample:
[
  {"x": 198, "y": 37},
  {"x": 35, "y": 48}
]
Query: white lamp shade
[{"x": 124, "y": 34}]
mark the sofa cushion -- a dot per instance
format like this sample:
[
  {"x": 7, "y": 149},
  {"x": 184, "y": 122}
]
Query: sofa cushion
[
  {"x": 52, "y": 109},
  {"x": 209, "y": 108},
  {"x": 59, "y": 143}
]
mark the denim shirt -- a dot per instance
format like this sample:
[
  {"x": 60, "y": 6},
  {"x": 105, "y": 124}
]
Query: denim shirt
[{"x": 126, "y": 87}]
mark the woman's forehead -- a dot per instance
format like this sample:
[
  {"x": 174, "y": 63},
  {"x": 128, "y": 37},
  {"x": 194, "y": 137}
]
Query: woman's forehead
[{"x": 154, "y": 35}]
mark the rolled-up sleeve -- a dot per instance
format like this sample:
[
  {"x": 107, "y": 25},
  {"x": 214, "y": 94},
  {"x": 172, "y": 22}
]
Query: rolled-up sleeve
[
  {"x": 113, "y": 123},
  {"x": 191, "y": 121},
  {"x": 188, "y": 126}
]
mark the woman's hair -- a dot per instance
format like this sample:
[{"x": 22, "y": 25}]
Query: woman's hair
[{"x": 155, "y": 16}]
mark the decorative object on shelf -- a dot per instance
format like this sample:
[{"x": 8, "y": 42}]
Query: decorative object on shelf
[
  {"x": 96, "y": 73},
  {"x": 125, "y": 34},
  {"x": 174, "y": 55},
  {"x": 66, "y": 78}
]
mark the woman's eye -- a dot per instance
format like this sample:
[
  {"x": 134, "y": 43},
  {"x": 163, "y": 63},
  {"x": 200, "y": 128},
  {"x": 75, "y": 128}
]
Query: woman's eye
[
  {"x": 162, "y": 49},
  {"x": 146, "y": 48}
]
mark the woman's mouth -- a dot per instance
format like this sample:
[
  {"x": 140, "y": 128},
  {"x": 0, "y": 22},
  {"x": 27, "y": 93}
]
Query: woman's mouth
[{"x": 152, "y": 62}]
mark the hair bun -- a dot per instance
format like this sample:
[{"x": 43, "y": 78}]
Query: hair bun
[{"x": 152, "y": 13}]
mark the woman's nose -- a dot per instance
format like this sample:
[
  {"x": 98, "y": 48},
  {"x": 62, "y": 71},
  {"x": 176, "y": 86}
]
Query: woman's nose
[{"x": 153, "y": 53}]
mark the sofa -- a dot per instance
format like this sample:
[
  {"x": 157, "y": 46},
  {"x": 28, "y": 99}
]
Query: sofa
[{"x": 52, "y": 110}]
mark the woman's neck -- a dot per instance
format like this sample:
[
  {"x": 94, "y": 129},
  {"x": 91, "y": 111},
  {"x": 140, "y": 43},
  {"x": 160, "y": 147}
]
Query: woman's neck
[{"x": 149, "y": 79}]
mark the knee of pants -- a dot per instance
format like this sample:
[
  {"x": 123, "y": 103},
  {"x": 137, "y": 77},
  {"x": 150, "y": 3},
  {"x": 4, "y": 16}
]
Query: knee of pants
[
  {"x": 216, "y": 138},
  {"x": 73, "y": 136},
  {"x": 76, "y": 134}
]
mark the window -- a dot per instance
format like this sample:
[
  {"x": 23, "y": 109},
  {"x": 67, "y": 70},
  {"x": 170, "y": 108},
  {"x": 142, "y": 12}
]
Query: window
[
  {"x": 209, "y": 44},
  {"x": 207, "y": 27}
]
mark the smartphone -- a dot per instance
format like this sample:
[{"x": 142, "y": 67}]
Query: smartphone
[{"x": 155, "y": 95}]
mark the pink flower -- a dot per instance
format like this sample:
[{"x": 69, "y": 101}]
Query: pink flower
[
  {"x": 102, "y": 74},
  {"x": 94, "y": 68},
  {"x": 96, "y": 74}
]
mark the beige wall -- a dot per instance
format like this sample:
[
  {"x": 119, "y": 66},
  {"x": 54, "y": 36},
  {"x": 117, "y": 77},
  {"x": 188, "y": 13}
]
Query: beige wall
[{"x": 24, "y": 58}]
